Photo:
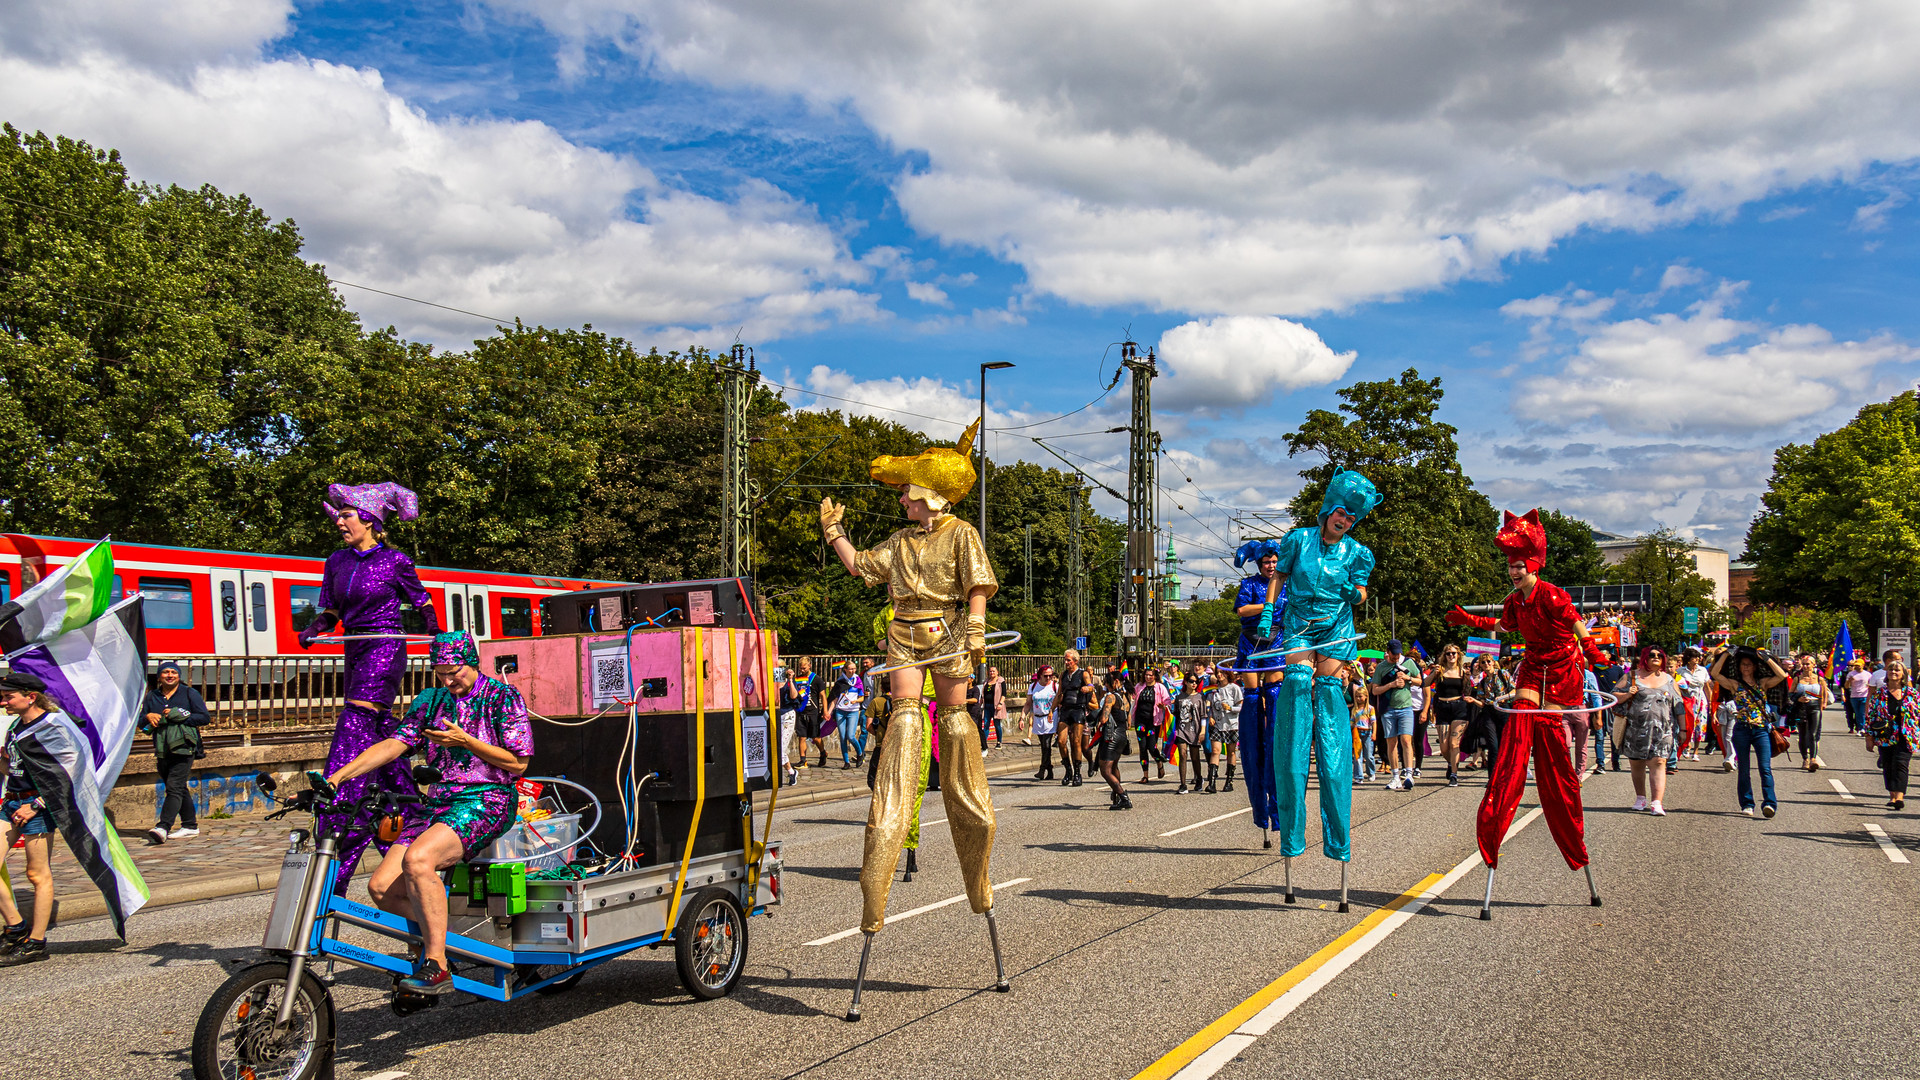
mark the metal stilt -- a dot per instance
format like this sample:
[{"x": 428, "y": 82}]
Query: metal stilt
[
  {"x": 860, "y": 980},
  {"x": 1265, "y": 840},
  {"x": 1486, "y": 905},
  {"x": 1289, "y": 862},
  {"x": 912, "y": 864},
  {"x": 1593, "y": 894},
  {"x": 1343, "y": 887},
  {"x": 999, "y": 968}
]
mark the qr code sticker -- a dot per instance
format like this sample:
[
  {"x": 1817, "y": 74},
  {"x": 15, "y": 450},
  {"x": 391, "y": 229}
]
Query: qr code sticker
[
  {"x": 753, "y": 743},
  {"x": 609, "y": 675}
]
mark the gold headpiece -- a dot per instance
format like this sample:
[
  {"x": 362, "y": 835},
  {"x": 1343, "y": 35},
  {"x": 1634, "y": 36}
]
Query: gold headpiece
[{"x": 943, "y": 472}]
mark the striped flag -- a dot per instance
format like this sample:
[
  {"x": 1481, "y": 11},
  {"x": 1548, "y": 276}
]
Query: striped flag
[
  {"x": 97, "y": 674},
  {"x": 67, "y": 599}
]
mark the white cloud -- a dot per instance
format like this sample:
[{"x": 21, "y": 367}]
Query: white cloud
[
  {"x": 1701, "y": 371},
  {"x": 1681, "y": 276},
  {"x": 928, "y": 293},
  {"x": 1220, "y": 157},
  {"x": 498, "y": 217},
  {"x": 1238, "y": 361},
  {"x": 927, "y": 404}
]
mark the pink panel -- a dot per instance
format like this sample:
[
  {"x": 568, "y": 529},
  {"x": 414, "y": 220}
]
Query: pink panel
[
  {"x": 718, "y": 682},
  {"x": 548, "y": 674},
  {"x": 657, "y": 654},
  {"x": 754, "y": 667}
]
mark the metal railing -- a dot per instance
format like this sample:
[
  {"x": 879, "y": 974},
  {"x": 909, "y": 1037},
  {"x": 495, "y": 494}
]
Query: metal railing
[{"x": 280, "y": 693}]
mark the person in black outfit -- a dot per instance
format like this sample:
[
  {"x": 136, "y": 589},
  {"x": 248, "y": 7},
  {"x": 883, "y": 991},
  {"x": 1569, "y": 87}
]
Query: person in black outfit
[
  {"x": 1113, "y": 737},
  {"x": 173, "y": 715},
  {"x": 1077, "y": 694}
]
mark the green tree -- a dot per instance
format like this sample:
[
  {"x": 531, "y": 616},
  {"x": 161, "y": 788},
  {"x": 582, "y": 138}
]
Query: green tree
[
  {"x": 1664, "y": 562},
  {"x": 1432, "y": 533},
  {"x": 1808, "y": 630},
  {"x": 1206, "y": 622}
]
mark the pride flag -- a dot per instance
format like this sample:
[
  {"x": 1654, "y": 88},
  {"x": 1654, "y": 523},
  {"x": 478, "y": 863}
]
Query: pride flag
[{"x": 67, "y": 599}]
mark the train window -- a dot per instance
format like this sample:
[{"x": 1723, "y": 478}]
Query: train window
[
  {"x": 480, "y": 616},
  {"x": 257, "y": 595},
  {"x": 6, "y": 586},
  {"x": 229, "y": 607},
  {"x": 411, "y": 621},
  {"x": 303, "y": 606},
  {"x": 516, "y": 616},
  {"x": 117, "y": 592},
  {"x": 456, "y": 614},
  {"x": 169, "y": 604}
]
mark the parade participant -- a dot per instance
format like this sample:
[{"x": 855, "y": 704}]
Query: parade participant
[
  {"x": 1042, "y": 692},
  {"x": 1223, "y": 706},
  {"x": 1111, "y": 749},
  {"x": 1326, "y": 575},
  {"x": 1077, "y": 693},
  {"x": 939, "y": 580},
  {"x": 362, "y": 590},
  {"x": 1549, "y": 683},
  {"x": 1152, "y": 713},
  {"x": 476, "y": 734},
  {"x": 1190, "y": 730},
  {"x": 1260, "y": 603}
]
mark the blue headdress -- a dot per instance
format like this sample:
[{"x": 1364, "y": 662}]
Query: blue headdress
[
  {"x": 1254, "y": 550},
  {"x": 1349, "y": 491}
]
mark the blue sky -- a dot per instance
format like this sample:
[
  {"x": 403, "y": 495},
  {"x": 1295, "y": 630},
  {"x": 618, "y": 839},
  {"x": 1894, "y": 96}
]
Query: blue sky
[{"x": 1642, "y": 246}]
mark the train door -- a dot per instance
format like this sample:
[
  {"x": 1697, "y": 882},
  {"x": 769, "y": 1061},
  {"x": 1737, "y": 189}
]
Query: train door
[
  {"x": 467, "y": 610},
  {"x": 243, "y": 606}
]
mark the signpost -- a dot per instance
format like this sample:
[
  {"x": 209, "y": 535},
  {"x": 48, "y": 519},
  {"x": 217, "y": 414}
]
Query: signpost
[
  {"x": 1896, "y": 637},
  {"x": 1780, "y": 642},
  {"x": 1690, "y": 620}
]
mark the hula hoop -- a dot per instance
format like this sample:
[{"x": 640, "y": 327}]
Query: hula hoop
[
  {"x": 1611, "y": 701},
  {"x": 1314, "y": 647},
  {"x": 1006, "y": 638},
  {"x": 338, "y": 639}
]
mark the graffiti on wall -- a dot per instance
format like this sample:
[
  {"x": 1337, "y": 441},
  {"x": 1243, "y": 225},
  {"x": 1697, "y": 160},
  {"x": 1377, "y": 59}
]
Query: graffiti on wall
[{"x": 231, "y": 792}]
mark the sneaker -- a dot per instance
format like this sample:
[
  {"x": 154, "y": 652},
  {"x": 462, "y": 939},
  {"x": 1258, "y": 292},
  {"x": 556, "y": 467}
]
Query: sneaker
[
  {"x": 1416, "y": 774},
  {"x": 1768, "y": 811},
  {"x": 156, "y": 836},
  {"x": 12, "y": 937},
  {"x": 1639, "y": 802},
  {"x": 428, "y": 978},
  {"x": 1726, "y": 766},
  {"x": 1657, "y": 809},
  {"x": 183, "y": 832},
  {"x": 31, "y": 951},
  {"x": 1747, "y": 810},
  {"x": 1453, "y": 779}
]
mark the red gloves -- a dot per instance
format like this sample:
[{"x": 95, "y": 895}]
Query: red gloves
[{"x": 1459, "y": 617}]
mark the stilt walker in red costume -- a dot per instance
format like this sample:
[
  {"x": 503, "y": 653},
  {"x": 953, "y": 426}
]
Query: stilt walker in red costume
[{"x": 1549, "y": 684}]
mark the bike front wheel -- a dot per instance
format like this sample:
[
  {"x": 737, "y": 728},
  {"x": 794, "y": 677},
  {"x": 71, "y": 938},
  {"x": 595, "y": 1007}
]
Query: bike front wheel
[{"x": 238, "y": 1037}]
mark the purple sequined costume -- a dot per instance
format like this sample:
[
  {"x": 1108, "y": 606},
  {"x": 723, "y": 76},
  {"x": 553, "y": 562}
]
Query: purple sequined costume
[
  {"x": 366, "y": 589},
  {"x": 474, "y": 798}
]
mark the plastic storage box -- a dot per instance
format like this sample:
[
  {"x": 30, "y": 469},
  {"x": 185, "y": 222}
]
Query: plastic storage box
[{"x": 540, "y": 844}]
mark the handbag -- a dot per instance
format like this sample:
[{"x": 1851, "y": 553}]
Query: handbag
[{"x": 1779, "y": 739}]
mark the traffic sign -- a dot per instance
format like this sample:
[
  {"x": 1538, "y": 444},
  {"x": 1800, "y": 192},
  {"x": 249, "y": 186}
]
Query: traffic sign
[{"x": 1690, "y": 620}]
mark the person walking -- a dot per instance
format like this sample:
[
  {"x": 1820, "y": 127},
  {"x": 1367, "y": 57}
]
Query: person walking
[
  {"x": 847, "y": 695},
  {"x": 173, "y": 714},
  {"x": 1079, "y": 695},
  {"x": 1392, "y": 696},
  {"x": 1112, "y": 747},
  {"x": 1042, "y": 695},
  {"x": 993, "y": 709},
  {"x": 1694, "y": 681},
  {"x": 1453, "y": 705},
  {"x": 1893, "y": 730},
  {"x": 1152, "y": 713},
  {"x": 1190, "y": 723},
  {"x": 25, "y": 819},
  {"x": 789, "y": 723},
  {"x": 1363, "y": 723},
  {"x": 1650, "y": 703},
  {"x": 1224, "y": 703},
  {"x": 1744, "y": 676},
  {"x": 1855, "y": 682},
  {"x": 1491, "y": 683},
  {"x": 1807, "y": 701}
]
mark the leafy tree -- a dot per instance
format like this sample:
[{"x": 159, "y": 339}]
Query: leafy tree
[
  {"x": 1432, "y": 533},
  {"x": 1808, "y": 630},
  {"x": 1664, "y": 562},
  {"x": 1206, "y": 622}
]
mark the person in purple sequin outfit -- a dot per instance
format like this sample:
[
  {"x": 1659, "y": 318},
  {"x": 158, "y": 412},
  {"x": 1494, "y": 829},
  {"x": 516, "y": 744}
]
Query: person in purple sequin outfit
[{"x": 361, "y": 592}]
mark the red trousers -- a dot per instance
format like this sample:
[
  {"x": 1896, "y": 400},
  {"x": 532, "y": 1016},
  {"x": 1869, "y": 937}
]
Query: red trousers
[{"x": 1553, "y": 776}]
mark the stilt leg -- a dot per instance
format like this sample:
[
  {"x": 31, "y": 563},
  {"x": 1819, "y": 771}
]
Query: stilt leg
[
  {"x": 913, "y": 863},
  {"x": 860, "y": 980},
  {"x": 1343, "y": 887},
  {"x": 999, "y": 968},
  {"x": 1486, "y": 905},
  {"x": 1593, "y": 894},
  {"x": 1289, "y": 861},
  {"x": 1265, "y": 840}
]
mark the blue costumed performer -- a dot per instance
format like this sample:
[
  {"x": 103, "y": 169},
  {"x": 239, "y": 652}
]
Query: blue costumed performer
[
  {"x": 361, "y": 592},
  {"x": 1260, "y": 602},
  {"x": 1326, "y": 575}
]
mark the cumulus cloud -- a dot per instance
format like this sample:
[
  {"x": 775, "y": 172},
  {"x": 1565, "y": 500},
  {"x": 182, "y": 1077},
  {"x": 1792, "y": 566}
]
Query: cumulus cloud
[
  {"x": 1287, "y": 158},
  {"x": 503, "y": 218},
  {"x": 1701, "y": 370},
  {"x": 932, "y": 405},
  {"x": 1239, "y": 361}
]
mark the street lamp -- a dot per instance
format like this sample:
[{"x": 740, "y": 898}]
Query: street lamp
[{"x": 995, "y": 365}]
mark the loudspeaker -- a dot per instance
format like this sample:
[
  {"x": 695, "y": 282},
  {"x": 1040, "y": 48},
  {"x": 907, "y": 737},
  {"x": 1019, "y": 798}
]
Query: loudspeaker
[{"x": 713, "y": 602}]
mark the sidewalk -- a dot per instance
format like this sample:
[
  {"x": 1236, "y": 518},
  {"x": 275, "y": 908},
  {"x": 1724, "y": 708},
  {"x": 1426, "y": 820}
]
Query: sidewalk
[{"x": 241, "y": 854}]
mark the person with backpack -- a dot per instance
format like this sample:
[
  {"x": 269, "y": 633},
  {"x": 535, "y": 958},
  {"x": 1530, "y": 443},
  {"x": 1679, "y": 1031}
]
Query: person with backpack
[{"x": 173, "y": 714}]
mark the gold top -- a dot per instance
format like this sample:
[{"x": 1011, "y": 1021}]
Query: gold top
[
  {"x": 936, "y": 567},
  {"x": 947, "y": 472}
]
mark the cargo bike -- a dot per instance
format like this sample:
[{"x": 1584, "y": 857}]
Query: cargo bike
[{"x": 524, "y": 919}]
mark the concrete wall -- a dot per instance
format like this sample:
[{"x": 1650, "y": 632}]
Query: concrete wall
[{"x": 223, "y": 780}]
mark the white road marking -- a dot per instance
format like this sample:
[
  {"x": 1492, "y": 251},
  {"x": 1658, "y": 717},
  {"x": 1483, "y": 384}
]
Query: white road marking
[
  {"x": 1209, "y": 821},
  {"x": 891, "y": 919},
  {"x": 396, "y": 1075},
  {"x": 1841, "y": 788},
  {"x": 935, "y": 821},
  {"x": 1894, "y": 854}
]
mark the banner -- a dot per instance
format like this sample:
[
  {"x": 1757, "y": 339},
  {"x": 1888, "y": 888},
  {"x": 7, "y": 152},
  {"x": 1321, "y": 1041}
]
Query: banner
[{"x": 1480, "y": 646}]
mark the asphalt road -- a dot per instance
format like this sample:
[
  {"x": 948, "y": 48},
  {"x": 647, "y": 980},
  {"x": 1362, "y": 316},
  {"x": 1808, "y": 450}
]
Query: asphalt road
[{"x": 1727, "y": 946}]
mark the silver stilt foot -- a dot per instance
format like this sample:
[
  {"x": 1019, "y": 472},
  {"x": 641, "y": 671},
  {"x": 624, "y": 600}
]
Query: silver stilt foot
[
  {"x": 1593, "y": 894},
  {"x": 999, "y": 967},
  {"x": 1289, "y": 861},
  {"x": 1486, "y": 905},
  {"x": 860, "y": 980},
  {"x": 1343, "y": 887},
  {"x": 913, "y": 864},
  {"x": 1265, "y": 840}
]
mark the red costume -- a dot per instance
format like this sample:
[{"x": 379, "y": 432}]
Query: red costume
[{"x": 1551, "y": 668}]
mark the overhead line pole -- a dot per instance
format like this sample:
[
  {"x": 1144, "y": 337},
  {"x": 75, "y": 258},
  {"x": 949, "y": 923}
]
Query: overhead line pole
[{"x": 738, "y": 378}]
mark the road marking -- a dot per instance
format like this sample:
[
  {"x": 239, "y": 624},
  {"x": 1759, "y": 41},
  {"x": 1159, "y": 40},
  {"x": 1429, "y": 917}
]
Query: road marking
[
  {"x": 891, "y": 919},
  {"x": 396, "y": 1075},
  {"x": 1221, "y": 1041},
  {"x": 935, "y": 821},
  {"x": 1841, "y": 788},
  {"x": 1209, "y": 821},
  {"x": 1894, "y": 854}
]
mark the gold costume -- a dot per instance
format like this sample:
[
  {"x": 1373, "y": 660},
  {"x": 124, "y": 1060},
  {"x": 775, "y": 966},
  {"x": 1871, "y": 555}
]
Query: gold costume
[{"x": 929, "y": 573}]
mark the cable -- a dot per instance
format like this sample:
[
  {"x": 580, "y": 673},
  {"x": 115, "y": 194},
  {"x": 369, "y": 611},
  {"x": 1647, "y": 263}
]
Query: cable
[{"x": 443, "y": 307}]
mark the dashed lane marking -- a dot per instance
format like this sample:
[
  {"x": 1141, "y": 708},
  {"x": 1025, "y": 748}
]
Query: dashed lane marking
[
  {"x": 1841, "y": 788},
  {"x": 1209, "y": 821},
  {"x": 1894, "y": 854},
  {"x": 891, "y": 919}
]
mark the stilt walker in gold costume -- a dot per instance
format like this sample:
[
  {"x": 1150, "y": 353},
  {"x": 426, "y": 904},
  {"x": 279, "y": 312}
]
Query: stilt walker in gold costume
[{"x": 939, "y": 580}]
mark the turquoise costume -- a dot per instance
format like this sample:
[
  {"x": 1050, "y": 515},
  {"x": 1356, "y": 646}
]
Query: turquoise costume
[{"x": 1323, "y": 583}]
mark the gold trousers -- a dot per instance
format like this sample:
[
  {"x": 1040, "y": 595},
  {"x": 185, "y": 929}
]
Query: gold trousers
[{"x": 896, "y": 786}]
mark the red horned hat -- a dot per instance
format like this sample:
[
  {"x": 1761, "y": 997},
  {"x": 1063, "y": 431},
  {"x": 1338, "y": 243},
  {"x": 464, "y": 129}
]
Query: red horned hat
[{"x": 1524, "y": 538}]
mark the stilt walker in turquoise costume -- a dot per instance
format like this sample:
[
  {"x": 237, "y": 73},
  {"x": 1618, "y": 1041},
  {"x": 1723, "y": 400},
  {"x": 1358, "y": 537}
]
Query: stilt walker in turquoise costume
[{"x": 1326, "y": 573}]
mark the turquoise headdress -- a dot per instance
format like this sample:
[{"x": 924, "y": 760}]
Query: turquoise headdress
[{"x": 1349, "y": 491}]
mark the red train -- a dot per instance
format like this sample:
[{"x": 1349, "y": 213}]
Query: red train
[{"x": 236, "y": 603}]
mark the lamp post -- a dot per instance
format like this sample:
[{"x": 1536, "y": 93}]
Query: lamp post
[{"x": 994, "y": 365}]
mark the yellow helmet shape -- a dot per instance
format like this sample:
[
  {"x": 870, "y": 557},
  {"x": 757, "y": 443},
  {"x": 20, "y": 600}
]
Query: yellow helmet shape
[{"x": 939, "y": 475}]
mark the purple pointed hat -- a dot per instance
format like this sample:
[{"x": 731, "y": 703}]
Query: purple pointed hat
[{"x": 382, "y": 503}]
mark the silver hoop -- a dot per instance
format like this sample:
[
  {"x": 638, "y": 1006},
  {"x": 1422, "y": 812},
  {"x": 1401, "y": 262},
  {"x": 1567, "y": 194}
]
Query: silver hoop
[
  {"x": 1315, "y": 647},
  {"x": 1607, "y": 704},
  {"x": 341, "y": 639},
  {"x": 1005, "y": 638}
]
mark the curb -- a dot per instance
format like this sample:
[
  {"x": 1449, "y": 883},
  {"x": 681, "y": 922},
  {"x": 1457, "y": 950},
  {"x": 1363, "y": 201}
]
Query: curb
[{"x": 240, "y": 883}]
